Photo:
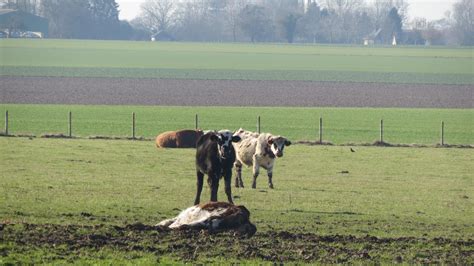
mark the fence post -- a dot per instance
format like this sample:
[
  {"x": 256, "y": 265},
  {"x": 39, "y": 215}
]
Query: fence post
[
  {"x": 70, "y": 124},
  {"x": 6, "y": 123},
  {"x": 381, "y": 130},
  {"x": 197, "y": 121},
  {"x": 321, "y": 130},
  {"x": 258, "y": 124},
  {"x": 442, "y": 133},
  {"x": 133, "y": 125}
]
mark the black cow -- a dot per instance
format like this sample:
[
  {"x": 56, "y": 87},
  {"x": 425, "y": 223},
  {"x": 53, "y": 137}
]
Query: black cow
[{"x": 215, "y": 156}]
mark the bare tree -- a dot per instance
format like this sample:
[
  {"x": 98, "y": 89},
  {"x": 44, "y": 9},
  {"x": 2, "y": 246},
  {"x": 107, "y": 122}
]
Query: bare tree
[
  {"x": 464, "y": 17},
  {"x": 381, "y": 9},
  {"x": 343, "y": 7},
  {"x": 233, "y": 9},
  {"x": 157, "y": 15},
  {"x": 30, "y": 6}
]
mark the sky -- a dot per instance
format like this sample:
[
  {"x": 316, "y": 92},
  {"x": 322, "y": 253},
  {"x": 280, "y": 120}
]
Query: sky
[{"x": 429, "y": 9}]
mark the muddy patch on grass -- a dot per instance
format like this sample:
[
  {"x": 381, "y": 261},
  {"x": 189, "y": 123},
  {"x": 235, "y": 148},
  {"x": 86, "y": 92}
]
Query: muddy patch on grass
[{"x": 276, "y": 246}]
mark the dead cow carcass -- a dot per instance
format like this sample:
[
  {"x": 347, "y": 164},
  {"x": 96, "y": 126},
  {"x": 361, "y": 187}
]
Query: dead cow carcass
[
  {"x": 186, "y": 138},
  {"x": 215, "y": 217}
]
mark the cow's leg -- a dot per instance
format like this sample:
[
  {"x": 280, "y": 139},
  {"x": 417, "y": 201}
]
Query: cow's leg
[
  {"x": 270, "y": 176},
  {"x": 200, "y": 180},
  {"x": 256, "y": 169},
  {"x": 214, "y": 186},
  {"x": 228, "y": 186},
  {"x": 238, "y": 175}
]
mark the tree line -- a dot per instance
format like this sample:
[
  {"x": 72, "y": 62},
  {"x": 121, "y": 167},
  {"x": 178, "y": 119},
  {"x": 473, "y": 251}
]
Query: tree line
[{"x": 303, "y": 21}]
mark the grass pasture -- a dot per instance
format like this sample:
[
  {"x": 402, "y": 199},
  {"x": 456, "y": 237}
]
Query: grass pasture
[
  {"x": 236, "y": 61},
  {"x": 394, "y": 205},
  {"x": 341, "y": 125}
]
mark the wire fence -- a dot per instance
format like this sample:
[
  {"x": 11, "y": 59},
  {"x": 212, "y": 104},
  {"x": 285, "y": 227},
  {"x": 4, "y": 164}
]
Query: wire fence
[{"x": 319, "y": 140}]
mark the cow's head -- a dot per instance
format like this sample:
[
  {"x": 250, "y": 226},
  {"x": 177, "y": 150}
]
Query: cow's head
[
  {"x": 277, "y": 144},
  {"x": 224, "y": 139}
]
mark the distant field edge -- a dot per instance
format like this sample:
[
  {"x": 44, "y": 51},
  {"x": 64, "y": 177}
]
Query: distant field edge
[{"x": 229, "y": 74}]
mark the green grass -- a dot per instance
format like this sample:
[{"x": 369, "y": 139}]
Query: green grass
[
  {"x": 236, "y": 61},
  {"x": 389, "y": 192},
  {"x": 341, "y": 125}
]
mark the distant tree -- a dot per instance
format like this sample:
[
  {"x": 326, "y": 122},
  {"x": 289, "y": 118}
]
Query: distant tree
[
  {"x": 464, "y": 25},
  {"x": 30, "y": 6},
  {"x": 289, "y": 26},
  {"x": 433, "y": 36},
  {"x": 255, "y": 22},
  {"x": 79, "y": 19},
  {"x": 392, "y": 26},
  {"x": 364, "y": 25},
  {"x": 157, "y": 15},
  {"x": 104, "y": 10},
  {"x": 104, "y": 15},
  {"x": 414, "y": 37},
  {"x": 67, "y": 18},
  {"x": 310, "y": 24},
  {"x": 342, "y": 7},
  {"x": 233, "y": 9},
  {"x": 330, "y": 24}
]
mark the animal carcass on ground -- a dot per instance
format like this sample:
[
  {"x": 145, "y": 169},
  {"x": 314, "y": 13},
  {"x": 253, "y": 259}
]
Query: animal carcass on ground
[
  {"x": 258, "y": 152},
  {"x": 215, "y": 156},
  {"x": 215, "y": 217},
  {"x": 186, "y": 138}
]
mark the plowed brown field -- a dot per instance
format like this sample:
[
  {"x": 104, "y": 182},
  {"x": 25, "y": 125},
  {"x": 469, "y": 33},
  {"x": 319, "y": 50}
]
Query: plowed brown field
[{"x": 118, "y": 91}]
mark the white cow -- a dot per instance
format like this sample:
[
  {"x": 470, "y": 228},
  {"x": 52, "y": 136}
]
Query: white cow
[
  {"x": 213, "y": 216},
  {"x": 258, "y": 151}
]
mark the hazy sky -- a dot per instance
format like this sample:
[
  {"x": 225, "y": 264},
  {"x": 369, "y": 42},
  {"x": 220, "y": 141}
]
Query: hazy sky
[{"x": 430, "y": 9}]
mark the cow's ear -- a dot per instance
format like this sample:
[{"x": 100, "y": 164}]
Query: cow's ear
[
  {"x": 287, "y": 143},
  {"x": 270, "y": 141},
  {"x": 236, "y": 138},
  {"x": 214, "y": 138}
]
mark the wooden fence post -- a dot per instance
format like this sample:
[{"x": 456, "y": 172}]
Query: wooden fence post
[
  {"x": 133, "y": 125},
  {"x": 321, "y": 130},
  {"x": 258, "y": 124},
  {"x": 6, "y": 123},
  {"x": 442, "y": 133},
  {"x": 70, "y": 124},
  {"x": 197, "y": 121},
  {"x": 381, "y": 131}
]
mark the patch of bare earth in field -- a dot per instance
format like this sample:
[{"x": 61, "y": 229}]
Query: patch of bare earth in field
[
  {"x": 188, "y": 245},
  {"x": 126, "y": 91}
]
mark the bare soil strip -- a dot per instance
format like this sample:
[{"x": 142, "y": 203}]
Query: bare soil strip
[
  {"x": 189, "y": 245},
  {"x": 173, "y": 92}
]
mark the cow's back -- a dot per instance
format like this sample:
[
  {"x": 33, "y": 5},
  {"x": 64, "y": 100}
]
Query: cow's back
[
  {"x": 166, "y": 140},
  {"x": 187, "y": 138}
]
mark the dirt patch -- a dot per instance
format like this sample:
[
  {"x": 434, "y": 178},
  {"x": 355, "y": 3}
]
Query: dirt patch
[
  {"x": 127, "y": 91},
  {"x": 281, "y": 246}
]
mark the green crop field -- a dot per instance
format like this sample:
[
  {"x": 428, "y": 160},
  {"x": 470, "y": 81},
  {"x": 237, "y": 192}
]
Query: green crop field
[
  {"x": 67, "y": 197},
  {"x": 340, "y": 125},
  {"x": 96, "y": 201},
  {"x": 236, "y": 61}
]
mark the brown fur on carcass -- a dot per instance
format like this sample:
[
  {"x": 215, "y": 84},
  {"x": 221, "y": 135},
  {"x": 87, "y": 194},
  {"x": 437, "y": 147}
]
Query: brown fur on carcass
[{"x": 186, "y": 138}]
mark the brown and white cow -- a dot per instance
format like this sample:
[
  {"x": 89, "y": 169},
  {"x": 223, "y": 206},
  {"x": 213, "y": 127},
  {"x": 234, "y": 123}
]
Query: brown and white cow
[
  {"x": 186, "y": 138},
  {"x": 215, "y": 217},
  {"x": 258, "y": 152}
]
